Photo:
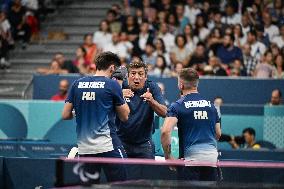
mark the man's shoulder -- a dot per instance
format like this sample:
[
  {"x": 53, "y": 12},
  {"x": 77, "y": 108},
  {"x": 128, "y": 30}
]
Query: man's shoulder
[{"x": 152, "y": 86}]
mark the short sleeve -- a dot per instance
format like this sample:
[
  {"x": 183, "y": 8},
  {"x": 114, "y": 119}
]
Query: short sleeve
[
  {"x": 157, "y": 94},
  {"x": 172, "y": 111},
  {"x": 70, "y": 97},
  {"x": 117, "y": 94},
  {"x": 217, "y": 114}
]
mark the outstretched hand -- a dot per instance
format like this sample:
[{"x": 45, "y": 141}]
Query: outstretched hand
[{"x": 147, "y": 96}]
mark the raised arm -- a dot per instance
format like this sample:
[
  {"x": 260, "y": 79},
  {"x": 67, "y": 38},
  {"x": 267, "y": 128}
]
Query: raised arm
[{"x": 159, "y": 109}]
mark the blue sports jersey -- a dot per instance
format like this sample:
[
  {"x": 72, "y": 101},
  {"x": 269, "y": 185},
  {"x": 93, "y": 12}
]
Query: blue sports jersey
[
  {"x": 138, "y": 129},
  {"x": 94, "y": 99},
  {"x": 197, "y": 118}
]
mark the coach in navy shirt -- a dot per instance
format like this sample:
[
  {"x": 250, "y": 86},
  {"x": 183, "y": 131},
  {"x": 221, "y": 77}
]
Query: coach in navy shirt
[
  {"x": 97, "y": 100},
  {"x": 198, "y": 130},
  {"x": 144, "y": 98}
]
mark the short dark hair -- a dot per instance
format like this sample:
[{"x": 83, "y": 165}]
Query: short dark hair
[
  {"x": 190, "y": 77},
  {"x": 252, "y": 32},
  {"x": 279, "y": 92},
  {"x": 183, "y": 37},
  {"x": 232, "y": 37},
  {"x": 87, "y": 35},
  {"x": 137, "y": 64},
  {"x": 104, "y": 60},
  {"x": 249, "y": 130}
]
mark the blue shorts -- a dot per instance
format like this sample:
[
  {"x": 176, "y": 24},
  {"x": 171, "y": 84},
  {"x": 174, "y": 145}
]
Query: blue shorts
[{"x": 113, "y": 172}]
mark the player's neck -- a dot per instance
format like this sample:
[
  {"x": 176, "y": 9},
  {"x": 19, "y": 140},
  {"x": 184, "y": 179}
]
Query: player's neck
[
  {"x": 102, "y": 73},
  {"x": 189, "y": 91}
]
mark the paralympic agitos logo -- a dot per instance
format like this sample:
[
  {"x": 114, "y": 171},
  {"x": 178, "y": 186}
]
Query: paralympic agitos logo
[{"x": 78, "y": 169}]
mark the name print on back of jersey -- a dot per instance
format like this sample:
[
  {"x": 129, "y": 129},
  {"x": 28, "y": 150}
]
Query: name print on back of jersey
[
  {"x": 90, "y": 85},
  {"x": 197, "y": 103}
]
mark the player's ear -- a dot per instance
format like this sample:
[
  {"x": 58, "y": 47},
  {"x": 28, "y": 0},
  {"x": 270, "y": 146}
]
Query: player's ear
[{"x": 112, "y": 68}]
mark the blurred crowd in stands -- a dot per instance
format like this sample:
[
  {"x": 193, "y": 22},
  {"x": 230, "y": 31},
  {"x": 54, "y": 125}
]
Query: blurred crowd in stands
[
  {"x": 20, "y": 22},
  {"x": 216, "y": 37}
]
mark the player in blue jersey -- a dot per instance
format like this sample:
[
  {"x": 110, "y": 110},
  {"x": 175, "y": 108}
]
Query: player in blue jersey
[
  {"x": 97, "y": 100},
  {"x": 144, "y": 98},
  {"x": 198, "y": 130}
]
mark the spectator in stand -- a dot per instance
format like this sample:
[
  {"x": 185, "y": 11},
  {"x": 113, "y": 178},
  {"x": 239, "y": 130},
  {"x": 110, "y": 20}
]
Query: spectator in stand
[
  {"x": 180, "y": 53},
  {"x": 265, "y": 69},
  {"x": 90, "y": 47},
  {"x": 249, "y": 61},
  {"x": 199, "y": 58},
  {"x": 177, "y": 69},
  {"x": 103, "y": 36},
  {"x": 182, "y": 20},
  {"x": 274, "y": 49},
  {"x": 270, "y": 29},
  {"x": 62, "y": 91},
  {"x": 245, "y": 23},
  {"x": 279, "y": 62},
  {"x": 162, "y": 17},
  {"x": 114, "y": 25},
  {"x": 217, "y": 69},
  {"x": 276, "y": 11},
  {"x": 148, "y": 57},
  {"x": 33, "y": 23},
  {"x": 127, "y": 44},
  {"x": 20, "y": 28},
  {"x": 131, "y": 28},
  {"x": 172, "y": 23},
  {"x": 167, "y": 6},
  {"x": 65, "y": 64},
  {"x": 148, "y": 9},
  {"x": 53, "y": 69},
  {"x": 261, "y": 36},
  {"x": 161, "y": 50},
  {"x": 240, "y": 38},
  {"x": 217, "y": 22},
  {"x": 228, "y": 52},
  {"x": 237, "y": 68},
  {"x": 214, "y": 41},
  {"x": 5, "y": 28},
  {"x": 254, "y": 14},
  {"x": 139, "y": 15},
  {"x": 231, "y": 16},
  {"x": 81, "y": 62},
  {"x": 201, "y": 29},
  {"x": 160, "y": 68},
  {"x": 191, "y": 11},
  {"x": 279, "y": 40},
  {"x": 116, "y": 47},
  {"x": 117, "y": 9},
  {"x": 143, "y": 38},
  {"x": 275, "y": 99},
  {"x": 168, "y": 38},
  {"x": 190, "y": 38},
  {"x": 257, "y": 48}
]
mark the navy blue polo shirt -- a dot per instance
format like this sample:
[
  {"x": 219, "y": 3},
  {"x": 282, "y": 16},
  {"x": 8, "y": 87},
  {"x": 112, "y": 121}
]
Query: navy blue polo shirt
[
  {"x": 138, "y": 129},
  {"x": 94, "y": 99},
  {"x": 197, "y": 118},
  {"x": 227, "y": 56}
]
